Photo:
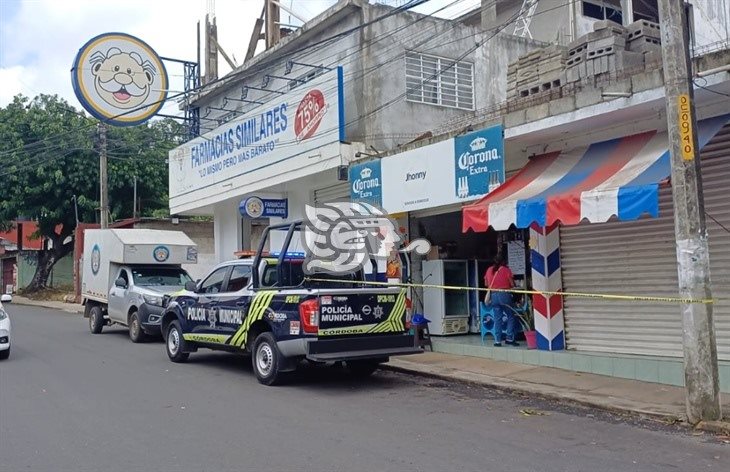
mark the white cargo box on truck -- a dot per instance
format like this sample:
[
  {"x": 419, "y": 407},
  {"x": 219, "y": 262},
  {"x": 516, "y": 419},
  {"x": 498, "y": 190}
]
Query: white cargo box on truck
[{"x": 106, "y": 249}]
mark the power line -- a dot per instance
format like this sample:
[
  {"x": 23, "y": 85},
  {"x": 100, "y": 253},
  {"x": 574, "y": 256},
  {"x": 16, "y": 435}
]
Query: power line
[
  {"x": 339, "y": 60},
  {"x": 391, "y": 13},
  {"x": 408, "y": 5},
  {"x": 421, "y": 17}
]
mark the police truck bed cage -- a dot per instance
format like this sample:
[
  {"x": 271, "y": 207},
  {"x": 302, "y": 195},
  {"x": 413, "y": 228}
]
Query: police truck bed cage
[{"x": 289, "y": 265}]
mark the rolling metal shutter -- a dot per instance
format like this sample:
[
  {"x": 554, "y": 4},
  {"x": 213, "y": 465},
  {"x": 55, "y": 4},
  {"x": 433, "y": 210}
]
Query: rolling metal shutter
[
  {"x": 639, "y": 258},
  {"x": 339, "y": 192},
  {"x": 716, "y": 182}
]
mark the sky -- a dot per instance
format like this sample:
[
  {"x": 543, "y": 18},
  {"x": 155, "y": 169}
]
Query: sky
[{"x": 40, "y": 38}]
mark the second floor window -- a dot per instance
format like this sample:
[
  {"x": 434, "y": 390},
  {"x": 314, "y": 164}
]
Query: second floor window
[{"x": 439, "y": 81}]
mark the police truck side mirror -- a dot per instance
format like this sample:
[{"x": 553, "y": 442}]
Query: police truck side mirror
[
  {"x": 121, "y": 283},
  {"x": 190, "y": 286}
]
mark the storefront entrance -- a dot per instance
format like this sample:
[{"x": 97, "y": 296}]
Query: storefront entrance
[{"x": 460, "y": 259}]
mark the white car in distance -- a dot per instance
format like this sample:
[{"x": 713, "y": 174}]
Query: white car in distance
[{"x": 4, "y": 327}]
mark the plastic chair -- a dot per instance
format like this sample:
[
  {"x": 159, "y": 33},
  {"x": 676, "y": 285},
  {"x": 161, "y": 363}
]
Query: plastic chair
[
  {"x": 486, "y": 321},
  {"x": 421, "y": 332}
]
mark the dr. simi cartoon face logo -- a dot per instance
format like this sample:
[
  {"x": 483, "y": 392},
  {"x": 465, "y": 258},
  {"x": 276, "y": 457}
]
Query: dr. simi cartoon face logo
[
  {"x": 119, "y": 79},
  {"x": 122, "y": 79}
]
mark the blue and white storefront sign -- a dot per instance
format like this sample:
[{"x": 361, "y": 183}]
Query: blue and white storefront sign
[
  {"x": 479, "y": 162},
  {"x": 292, "y": 131},
  {"x": 366, "y": 183},
  {"x": 456, "y": 170},
  {"x": 255, "y": 207}
]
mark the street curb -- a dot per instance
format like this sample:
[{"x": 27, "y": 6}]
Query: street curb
[
  {"x": 41, "y": 304},
  {"x": 535, "y": 390}
]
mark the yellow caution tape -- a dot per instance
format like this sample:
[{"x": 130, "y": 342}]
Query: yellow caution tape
[{"x": 605, "y": 296}]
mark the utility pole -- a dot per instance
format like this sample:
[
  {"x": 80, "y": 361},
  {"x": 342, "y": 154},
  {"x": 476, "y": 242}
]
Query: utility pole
[
  {"x": 103, "y": 192},
  {"x": 693, "y": 258},
  {"x": 134, "y": 199}
]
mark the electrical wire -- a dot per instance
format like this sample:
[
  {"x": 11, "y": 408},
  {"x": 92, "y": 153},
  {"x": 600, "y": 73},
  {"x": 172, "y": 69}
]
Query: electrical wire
[
  {"x": 717, "y": 222},
  {"x": 704, "y": 87},
  {"x": 399, "y": 55},
  {"x": 339, "y": 60},
  {"x": 406, "y": 6},
  {"x": 421, "y": 17}
]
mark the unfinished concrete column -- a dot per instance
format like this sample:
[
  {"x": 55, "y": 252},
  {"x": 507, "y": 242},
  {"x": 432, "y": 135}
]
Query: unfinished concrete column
[{"x": 489, "y": 13}]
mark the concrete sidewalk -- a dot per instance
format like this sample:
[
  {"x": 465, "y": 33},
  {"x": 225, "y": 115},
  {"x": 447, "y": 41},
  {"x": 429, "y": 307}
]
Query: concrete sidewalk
[
  {"x": 659, "y": 401},
  {"x": 67, "y": 307}
]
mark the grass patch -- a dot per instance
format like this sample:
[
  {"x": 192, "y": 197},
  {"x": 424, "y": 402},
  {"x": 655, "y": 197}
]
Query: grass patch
[{"x": 47, "y": 294}]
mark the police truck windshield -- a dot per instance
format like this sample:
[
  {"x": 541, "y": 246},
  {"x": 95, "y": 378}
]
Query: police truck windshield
[{"x": 159, "y": 276}]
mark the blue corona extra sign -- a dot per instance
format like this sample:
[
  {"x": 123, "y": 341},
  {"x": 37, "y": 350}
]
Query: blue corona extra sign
[
  {"x": 119, "y": 79},
  {"x": 479, "y": 162},
  {"x": 366, "y": 183}
]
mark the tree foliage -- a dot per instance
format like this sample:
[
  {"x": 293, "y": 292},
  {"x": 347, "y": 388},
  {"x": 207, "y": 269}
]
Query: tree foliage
[{"x": 48, "y": 155}]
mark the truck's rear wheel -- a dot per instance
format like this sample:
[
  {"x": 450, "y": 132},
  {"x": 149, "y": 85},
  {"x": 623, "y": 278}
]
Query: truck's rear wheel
[
  {"x": 96, "y": 319},
  {"x": 175, "y": 344},
  {"x": 266, "y": 359},
  {"x": 362, "y": 369},
  {"x": 136, "y": 333}
]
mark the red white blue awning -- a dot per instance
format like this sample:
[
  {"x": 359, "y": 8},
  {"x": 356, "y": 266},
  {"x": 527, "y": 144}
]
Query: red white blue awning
[{"x": 619, "y": 177}]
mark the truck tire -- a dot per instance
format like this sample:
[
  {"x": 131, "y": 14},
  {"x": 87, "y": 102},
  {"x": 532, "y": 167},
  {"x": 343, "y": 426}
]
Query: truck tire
[
  {"x": 96, "y": 319},
  {"x": 5, "y": 354},
  {"x": 266, "y": 359},
  {"x": 175, "y": 344},
  {"x": 136, "y": 333},
  {"x": 362, "y": 369}
]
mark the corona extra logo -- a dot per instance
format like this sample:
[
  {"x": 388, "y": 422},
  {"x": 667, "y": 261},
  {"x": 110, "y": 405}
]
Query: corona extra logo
[{"x": 478, "y": 144}]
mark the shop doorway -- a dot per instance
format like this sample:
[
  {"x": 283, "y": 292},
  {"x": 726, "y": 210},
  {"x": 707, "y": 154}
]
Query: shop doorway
[{"x": 461, "y": 259}]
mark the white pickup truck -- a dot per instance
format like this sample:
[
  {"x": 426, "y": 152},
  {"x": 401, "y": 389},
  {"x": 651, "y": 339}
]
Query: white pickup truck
[{"x": 126, "y": 273}]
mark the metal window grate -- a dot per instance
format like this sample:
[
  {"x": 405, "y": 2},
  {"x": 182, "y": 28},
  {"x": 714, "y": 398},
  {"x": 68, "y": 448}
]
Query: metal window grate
[{"x": 439, "y": 81}]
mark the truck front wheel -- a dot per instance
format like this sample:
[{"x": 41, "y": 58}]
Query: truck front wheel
[
  {"x": 136, "y": 334},
  {"x": 266, "y": 359},
  {"x": 175, "y": 344},
  {"x": 96, "y": 319}
]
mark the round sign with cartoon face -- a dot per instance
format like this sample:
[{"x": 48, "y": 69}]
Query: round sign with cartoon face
[
  {"x": 95, "y": 259},
  {"x": 161, "y": 253},
  {"x": 119, "y": 79}
]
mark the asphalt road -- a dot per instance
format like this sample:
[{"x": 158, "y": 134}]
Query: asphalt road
[{"x": 73, "y": 401}]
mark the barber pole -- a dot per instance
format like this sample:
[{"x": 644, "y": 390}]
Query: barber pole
[{"x": 546, "y": 277}]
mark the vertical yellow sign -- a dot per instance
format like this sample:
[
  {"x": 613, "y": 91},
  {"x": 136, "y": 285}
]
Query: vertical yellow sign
[{"x": 686, "y": 133}]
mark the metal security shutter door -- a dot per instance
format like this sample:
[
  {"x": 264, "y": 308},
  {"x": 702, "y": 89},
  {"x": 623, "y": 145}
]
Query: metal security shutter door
[
  {"x": 639, "y": 258},
  {"x": 339, "y": 192},
  {"x": 629, "y": 258},
  {"x": 716, "y": 183}
]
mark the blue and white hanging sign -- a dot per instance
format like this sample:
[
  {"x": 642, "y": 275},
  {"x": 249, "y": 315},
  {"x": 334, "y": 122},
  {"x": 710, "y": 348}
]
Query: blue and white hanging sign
[
  {"x": 255, "y": 207},
  {"x": 366, "y": 183},
  {"x": 479, "y": 161}
]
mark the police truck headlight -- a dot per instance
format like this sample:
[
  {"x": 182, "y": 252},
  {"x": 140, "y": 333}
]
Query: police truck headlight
[{"x": 153, "y": 300}]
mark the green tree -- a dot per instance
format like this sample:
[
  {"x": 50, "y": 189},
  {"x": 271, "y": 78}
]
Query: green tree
[{"x": 48, "y": 155}]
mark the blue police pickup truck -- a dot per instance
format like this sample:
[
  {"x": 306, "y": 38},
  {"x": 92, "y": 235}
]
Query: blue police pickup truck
[{"x": 267, "y": 307}]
